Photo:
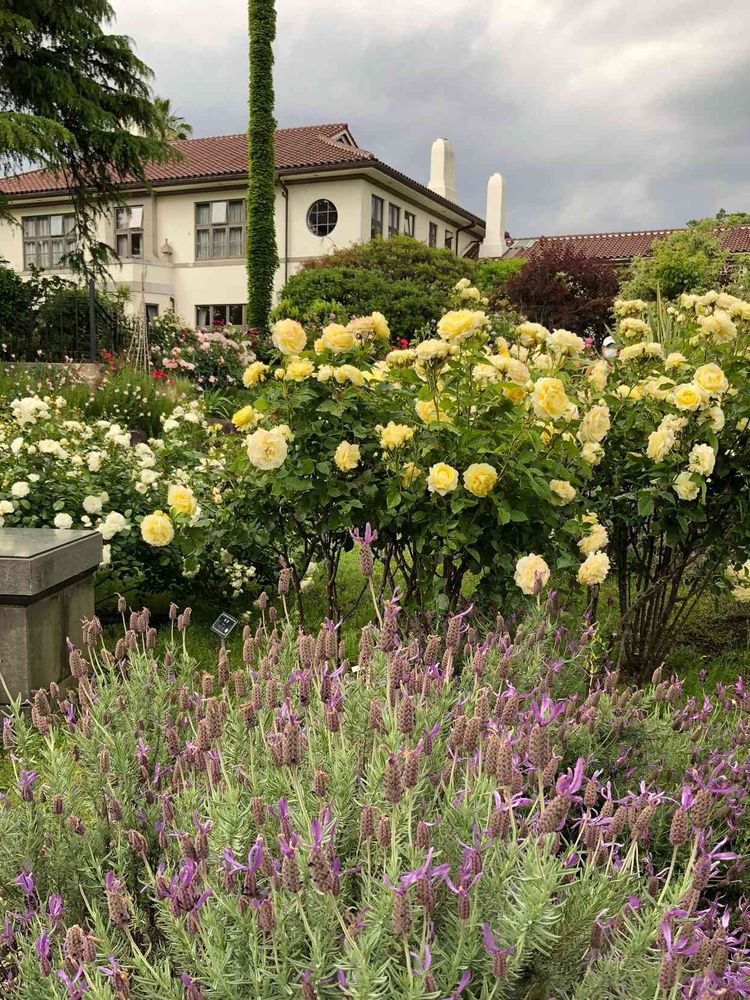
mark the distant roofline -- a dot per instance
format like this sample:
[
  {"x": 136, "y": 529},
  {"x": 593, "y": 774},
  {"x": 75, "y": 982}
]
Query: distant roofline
[{"x": 366, "y": 160}]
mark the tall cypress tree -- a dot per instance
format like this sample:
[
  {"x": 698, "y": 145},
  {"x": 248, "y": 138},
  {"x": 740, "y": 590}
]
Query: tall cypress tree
[
  {"x": 76, "y": 99},
  {"x": 262, "y": 253}
]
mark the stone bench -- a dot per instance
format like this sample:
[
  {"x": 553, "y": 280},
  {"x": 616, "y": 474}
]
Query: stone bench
[{"x": 46, "y": 588}]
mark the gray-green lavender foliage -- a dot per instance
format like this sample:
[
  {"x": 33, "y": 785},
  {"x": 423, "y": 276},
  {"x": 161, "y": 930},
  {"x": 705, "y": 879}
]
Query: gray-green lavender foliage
[{"x": 459, "y": 815}]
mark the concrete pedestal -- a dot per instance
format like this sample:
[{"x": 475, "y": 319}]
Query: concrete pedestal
[{"x": 46, "y": 588}]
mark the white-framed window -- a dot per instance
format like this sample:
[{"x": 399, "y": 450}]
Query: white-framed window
[
  {"x": 394, "y": 219},
  {"x": 221, "y": 315},
  {"x": 219, "y": 229},
  {"x": 322, "y": 217},
  {"x": 432, "y": 238},
  {"x": 129, "y": 231},
  {"x": 47, "y": 239},
  {"x": 376, "y": 217},
  {"x": 410, "y": 223}
]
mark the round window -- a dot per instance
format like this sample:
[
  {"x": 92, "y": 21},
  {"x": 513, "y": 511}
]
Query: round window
[{"x": 322, "y": 217}]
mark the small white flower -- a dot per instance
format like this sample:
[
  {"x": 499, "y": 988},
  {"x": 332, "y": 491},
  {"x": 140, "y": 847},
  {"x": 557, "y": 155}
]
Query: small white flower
[{"x": 63, "y": 521}]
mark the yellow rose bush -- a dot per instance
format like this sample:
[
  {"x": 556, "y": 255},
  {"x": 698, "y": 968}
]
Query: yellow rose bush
[
  {"x": 460, "y": 452},
  {"x": 674, "y": 464}
]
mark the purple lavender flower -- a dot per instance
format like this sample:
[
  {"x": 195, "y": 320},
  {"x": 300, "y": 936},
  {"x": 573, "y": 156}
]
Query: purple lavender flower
[{"x": 462, "y": 984}]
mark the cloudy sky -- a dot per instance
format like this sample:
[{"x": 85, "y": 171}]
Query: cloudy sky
[{"x": 600, "y": 114}]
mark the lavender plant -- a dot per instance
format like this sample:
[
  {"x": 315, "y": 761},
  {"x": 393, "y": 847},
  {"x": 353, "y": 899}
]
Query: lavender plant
[{"x": 470, "y": 814}]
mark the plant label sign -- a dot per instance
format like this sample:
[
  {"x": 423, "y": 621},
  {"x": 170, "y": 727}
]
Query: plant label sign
[{"x": 224, "y": 624}]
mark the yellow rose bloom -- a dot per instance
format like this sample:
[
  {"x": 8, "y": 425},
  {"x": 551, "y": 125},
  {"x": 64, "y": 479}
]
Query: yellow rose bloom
[
  {"x": 288, "y": 336},
  {"x": 531, "y": 333},
  {"x": 660, "y": 443},
  {"x": 565, "y": 342},
  {"x": 380, "y": 326},
  {"x": 348, "y": 373},
  {"x": 319, "y": 346},
  {"x": 400, "y": 357},
  {"x": 480, "y": 478},
  {"x": 549, "y": 399},
  {"x": 718, "y": 326},
  {"x": 254, "y": 373},
  {"x": 598, "y": 373},
  {"x": 714, "y": 417},
  {"x": 685, "y": 486},
  {"x": 702, "y": 459},
  {"x": 298, "y": 369},
  {"x": 245, "y": 417},
  {"x": 675, "y": 360},
  {"x": 182, "y": 499},
  {"x": 688, "y": 396},
  {"x": 592, "y": 452},
  {"x": 515, "y": 393},
  {"x": 267, "y": 449},
  {"x": 429, "y": 412},
  {"x": 442, "y": 479},
  {"x": 409, "y": 472},
  {"x": 563, "y": 491},
  {"x": 711, "y": 379},
  {"x": 594, "y": 569},
  {"x": 394, "y": 435},
  {"x": 596, "y": 539},
  {"x": 432, "y": 350},
  {"x": 157, "y": 529},
  {"x": 347, "y": 456},
  {"x": 631, "y": 328},
  {"x": 595, "y": 424},
  {"x": 338, "y": 338},
  {"x": 459, "y": 324},
  {"x": 532, "y": 573}
]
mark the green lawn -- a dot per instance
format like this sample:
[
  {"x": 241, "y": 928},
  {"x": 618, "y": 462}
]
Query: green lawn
[{"x": 715, "y": 638}]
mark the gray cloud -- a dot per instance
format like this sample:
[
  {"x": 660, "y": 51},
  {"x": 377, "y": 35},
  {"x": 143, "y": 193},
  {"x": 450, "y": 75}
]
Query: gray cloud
[{"x": 601, "y": 114}]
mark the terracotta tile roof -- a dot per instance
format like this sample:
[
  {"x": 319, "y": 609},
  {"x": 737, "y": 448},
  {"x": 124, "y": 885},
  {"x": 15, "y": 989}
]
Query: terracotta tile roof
[
  {"x": 222, "y": 155},
  {"x": 623, "y": 246}
]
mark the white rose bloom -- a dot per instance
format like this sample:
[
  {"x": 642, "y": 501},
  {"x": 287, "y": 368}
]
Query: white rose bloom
[
  {"x": 63, "y": 521},
  {"x": 94, "y": 460},
  {"x": 149, "y": 476},
  {"x": 92, "y": 504},
  {"x": 15, "y": 445},
  {"x": 6, "y": 507},
  {"x": 106, "y": 555},
  {"x": 20, "y": 490}
]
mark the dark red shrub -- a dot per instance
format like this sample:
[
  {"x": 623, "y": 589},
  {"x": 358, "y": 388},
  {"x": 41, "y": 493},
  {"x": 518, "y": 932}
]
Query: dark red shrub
[{"x": 561, "y": 288}]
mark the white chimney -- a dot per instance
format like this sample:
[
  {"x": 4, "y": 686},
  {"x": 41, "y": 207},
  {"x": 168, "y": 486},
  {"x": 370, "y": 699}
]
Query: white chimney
[
  {"x": 443, "y": 170},
  {"x": 494, "y": 244}
]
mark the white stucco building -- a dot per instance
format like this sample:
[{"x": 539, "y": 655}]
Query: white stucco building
[{"x": 181, "y": 240}]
